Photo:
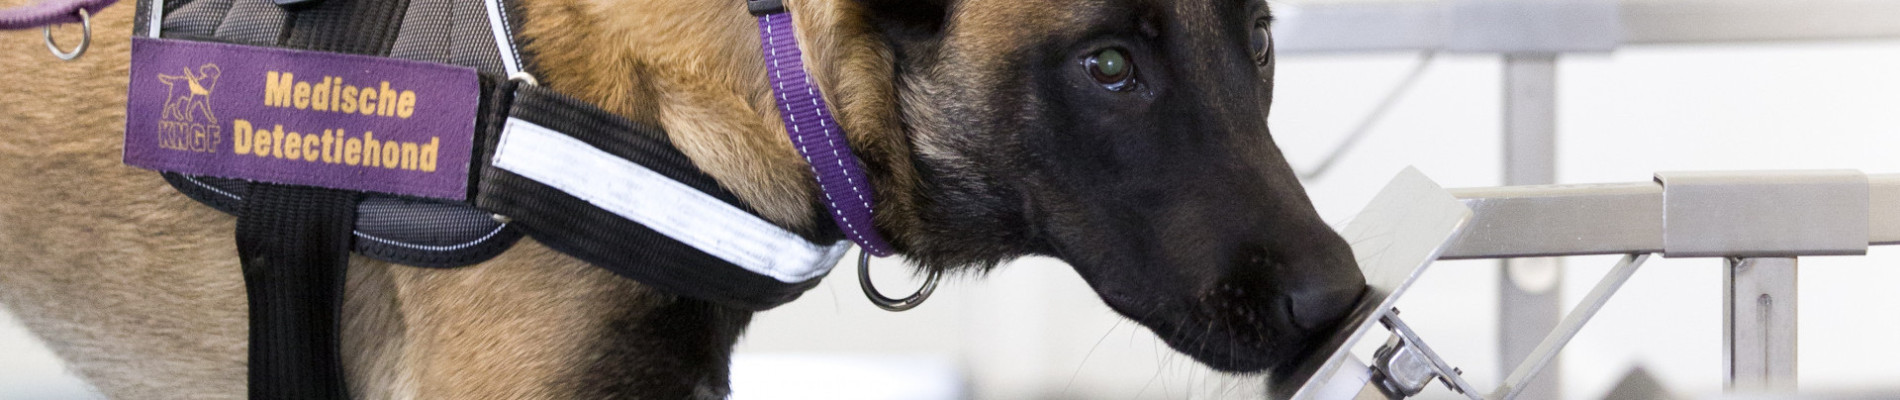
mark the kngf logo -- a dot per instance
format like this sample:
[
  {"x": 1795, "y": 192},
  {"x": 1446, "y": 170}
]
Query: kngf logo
[{"x": 188, "y": 96}]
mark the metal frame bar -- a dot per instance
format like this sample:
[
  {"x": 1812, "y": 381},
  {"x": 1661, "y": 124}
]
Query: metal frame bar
[
  {"x": 1760, "y": 291},
  {"x": 1361, "y": 26},
  {"x": 1546, "y": 351},
  {"x": 1618, "y": 218}
]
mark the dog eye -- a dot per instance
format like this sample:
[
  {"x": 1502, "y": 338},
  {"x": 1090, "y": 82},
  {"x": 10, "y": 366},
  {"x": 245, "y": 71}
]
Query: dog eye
[
  {"x": 1261, "y": 42},
  {"x": 1111, "y": 68}
]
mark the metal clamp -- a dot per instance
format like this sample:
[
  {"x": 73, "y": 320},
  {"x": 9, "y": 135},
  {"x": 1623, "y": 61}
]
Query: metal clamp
[
  {"x": 1399, "y": 370},
  {"x": 1404, "y": 365},
  {"x": 1765, "y": 213},
  {"x": 890, "y": 304},
  {"x": 85, "y": 23}
]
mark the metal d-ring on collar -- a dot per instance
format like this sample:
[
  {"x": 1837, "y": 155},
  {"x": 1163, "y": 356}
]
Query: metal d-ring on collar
[
  {"x": 85, "y": 22},
  {"x": 890, "y": 304}
]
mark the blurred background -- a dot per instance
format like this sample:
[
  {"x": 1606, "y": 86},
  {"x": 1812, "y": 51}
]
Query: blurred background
[{"x": 1033, "y": 330}]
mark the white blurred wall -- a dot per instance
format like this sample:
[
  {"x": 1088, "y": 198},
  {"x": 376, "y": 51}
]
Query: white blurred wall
[
  {"x": 28, "y": 370},
  {"x": 1032, "y": 329}
]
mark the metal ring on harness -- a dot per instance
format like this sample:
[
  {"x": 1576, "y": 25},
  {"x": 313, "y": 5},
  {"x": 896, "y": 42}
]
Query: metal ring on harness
[
  {"x": 85, "y": 22},
  {"x": 524, "y": 77},
  {"x": 890, "y": 304}
]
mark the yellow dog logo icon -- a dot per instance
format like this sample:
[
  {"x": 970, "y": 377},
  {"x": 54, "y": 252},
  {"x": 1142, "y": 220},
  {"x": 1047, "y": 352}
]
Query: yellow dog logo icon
[
  {"x": 179, "y": 127},
  {"x": 198, "y": 88}
]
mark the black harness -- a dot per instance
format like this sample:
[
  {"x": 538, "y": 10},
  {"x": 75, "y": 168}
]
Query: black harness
[{"x": 294, "y": 241}]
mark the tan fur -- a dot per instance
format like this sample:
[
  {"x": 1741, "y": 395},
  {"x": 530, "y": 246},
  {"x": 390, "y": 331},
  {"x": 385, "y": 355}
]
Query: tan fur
[
  {"x": 697, "y": 71},
  {"x": 138, "y": 287}
]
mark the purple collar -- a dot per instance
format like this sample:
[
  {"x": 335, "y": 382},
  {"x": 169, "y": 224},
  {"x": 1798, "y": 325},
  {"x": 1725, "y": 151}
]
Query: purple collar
[
  {"x": 817, "y": 136},
  {"x": 49, "y": 12}
]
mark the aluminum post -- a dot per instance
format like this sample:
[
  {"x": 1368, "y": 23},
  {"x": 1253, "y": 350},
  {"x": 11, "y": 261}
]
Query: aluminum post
[
  {"x": 1759, "y": 324},
  {"x": 1528, "y": 288}
]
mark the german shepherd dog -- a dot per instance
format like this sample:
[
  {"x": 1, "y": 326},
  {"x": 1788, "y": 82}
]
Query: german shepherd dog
[{"x": 1125, "y": 137}]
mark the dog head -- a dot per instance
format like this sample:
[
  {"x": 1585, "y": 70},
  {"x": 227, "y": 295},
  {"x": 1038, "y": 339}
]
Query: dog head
[{"x": 1128, "y": 138}]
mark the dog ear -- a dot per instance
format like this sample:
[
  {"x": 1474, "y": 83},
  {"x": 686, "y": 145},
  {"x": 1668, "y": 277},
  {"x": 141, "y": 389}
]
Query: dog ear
[{"x": 913, "y": 27}]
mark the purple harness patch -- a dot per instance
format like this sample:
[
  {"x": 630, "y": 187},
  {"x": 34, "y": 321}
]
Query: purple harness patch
[{"x": 298, "y": 117}]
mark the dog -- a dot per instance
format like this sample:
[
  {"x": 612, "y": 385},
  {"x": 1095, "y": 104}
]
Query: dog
[
  {"x": 1126, "y": 137},
  {"x": 197, "y": 94}
]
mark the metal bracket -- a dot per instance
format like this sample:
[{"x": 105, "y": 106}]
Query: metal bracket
[
  {"x": 1764, "y": 213},
  {"x": 1394, "y": 239},
  {"x": 1404, "y": 365}
]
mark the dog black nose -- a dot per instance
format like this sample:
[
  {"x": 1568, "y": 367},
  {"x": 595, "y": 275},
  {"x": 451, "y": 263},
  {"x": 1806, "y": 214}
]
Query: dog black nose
[
  {"x": 1320, "y": 289},
  {"x": 1307, "y": 291},
  {"x": 1319, "y": 307}
]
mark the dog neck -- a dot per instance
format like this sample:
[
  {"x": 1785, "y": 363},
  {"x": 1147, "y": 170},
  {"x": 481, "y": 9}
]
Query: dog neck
[{"x": 695, "y": 69}]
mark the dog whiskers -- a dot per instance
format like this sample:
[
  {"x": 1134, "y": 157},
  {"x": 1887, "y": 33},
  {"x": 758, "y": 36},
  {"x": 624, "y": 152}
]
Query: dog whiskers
[
  {"x": 1151, "y": 382},
  {"x": 1091, "y": 353}
]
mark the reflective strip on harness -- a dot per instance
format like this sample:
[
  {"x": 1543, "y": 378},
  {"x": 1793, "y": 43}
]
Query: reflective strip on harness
[
  {"x": 620, "y": 196},
  {"x": 638, "y": 194}
]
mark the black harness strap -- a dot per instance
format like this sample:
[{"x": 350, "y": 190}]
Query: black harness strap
[
  {"x": 575, "y": 227},
  {"x": 294, "y": 241}
]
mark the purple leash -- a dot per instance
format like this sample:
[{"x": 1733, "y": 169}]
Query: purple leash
[
  {"x": 49, "y": 12},
  {"x": 816, "y": 135},
  {"x": 53, "y": 12}
]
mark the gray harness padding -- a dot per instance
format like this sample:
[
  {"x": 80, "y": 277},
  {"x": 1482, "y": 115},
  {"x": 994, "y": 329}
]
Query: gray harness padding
[{"x": 405, "y": 230}]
